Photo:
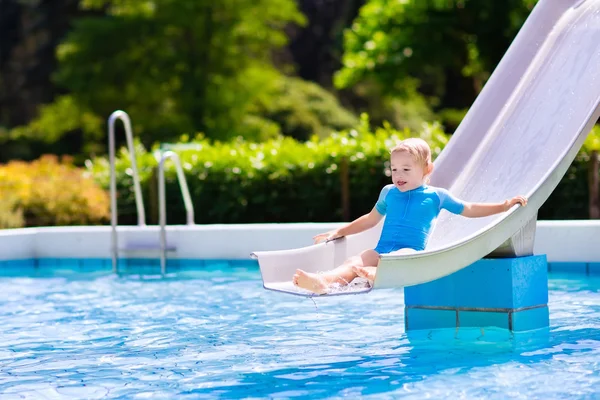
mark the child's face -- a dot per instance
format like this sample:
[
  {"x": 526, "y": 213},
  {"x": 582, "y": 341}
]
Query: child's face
[{"x": 407, "y": 173}]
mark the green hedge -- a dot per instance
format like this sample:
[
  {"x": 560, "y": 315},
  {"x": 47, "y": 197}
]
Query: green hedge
[{"x": 283, "y": 180}]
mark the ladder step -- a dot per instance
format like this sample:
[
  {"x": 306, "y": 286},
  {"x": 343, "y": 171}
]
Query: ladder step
[{"x": 146, "y": 247}]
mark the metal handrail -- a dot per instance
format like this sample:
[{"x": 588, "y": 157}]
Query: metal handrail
[
  {"x": 162, "y": 206},
  {"x": 141, "y": 213}
]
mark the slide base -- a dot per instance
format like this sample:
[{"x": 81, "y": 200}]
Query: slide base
[{"x": 509, "y": 293}]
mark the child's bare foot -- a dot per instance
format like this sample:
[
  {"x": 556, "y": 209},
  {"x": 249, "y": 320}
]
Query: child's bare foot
[
  {"x": 311, "y": 282},
  {"x": 365, "y": 272}
]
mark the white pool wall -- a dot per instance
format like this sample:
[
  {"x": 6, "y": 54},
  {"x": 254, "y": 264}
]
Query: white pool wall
[
  {"x": 561, "y": 241},
  {"x": 17, "y": 243}
]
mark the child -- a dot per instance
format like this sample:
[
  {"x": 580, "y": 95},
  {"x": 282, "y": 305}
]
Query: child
[{"x": 411, "y": 207}]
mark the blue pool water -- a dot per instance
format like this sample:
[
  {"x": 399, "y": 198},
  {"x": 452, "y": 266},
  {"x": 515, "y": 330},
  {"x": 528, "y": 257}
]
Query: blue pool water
[{"x": 216, "y": 333}]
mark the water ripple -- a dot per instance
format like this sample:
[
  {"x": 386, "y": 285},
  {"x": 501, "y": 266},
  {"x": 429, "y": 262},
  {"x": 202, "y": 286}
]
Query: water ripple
[{"x": 223, "y": 336}]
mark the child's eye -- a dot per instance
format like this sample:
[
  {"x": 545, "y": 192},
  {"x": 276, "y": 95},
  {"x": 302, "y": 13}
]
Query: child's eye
[
  {"x": 394, "y": 169},
  {"x": 406, "y": 169}
]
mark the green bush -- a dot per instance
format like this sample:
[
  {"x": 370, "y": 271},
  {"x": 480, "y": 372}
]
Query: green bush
[
  {"x": 280, "y": 180},
  {"x": 570, "y": 200},
  {"x": 283, "y": 180}
]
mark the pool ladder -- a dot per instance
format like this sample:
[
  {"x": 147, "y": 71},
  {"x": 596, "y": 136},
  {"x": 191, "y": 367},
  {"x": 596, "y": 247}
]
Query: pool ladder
[{"x": 141, "y": 213}]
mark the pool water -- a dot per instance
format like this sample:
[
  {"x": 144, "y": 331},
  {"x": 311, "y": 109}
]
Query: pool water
[{"x": 216, "y": 333}]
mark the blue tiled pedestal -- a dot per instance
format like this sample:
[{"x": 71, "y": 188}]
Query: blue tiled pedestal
[{"x": 510, "y": 293}]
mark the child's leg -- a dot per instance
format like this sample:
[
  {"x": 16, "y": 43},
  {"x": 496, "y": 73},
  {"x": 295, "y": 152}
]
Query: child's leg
[
  {"x": 344, "y": 274},
  {"x": 370, "y": 272},
  {"x": 366, "y": 272}
]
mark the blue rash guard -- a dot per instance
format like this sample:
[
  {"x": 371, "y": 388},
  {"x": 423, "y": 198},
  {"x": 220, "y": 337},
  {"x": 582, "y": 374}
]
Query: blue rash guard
[{"x": 410, "y": 215}]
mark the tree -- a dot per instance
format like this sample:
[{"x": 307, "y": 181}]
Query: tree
[
  {"x": 317, "y": 48},
  {"x": 445, "y": 49},
  {"x": 175, "y": 66},
  {"x": 30, "y": 30}
]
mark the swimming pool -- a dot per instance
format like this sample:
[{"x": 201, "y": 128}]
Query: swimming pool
[{"x": 214, "y": 332}]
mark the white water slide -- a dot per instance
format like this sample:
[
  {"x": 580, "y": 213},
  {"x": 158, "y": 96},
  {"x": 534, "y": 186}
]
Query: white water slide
[{"x": 519, "y": 137}]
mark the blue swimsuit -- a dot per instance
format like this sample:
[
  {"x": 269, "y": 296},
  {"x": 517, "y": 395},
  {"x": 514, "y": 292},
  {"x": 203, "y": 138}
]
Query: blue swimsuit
[{"x": 410, "y": 215}]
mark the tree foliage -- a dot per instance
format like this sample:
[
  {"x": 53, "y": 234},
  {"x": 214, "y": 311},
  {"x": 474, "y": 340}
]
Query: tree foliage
[
  {"x": 175, "y": 66},
  {"x": 433, "y": 45},
  {"x": 302, "y": 109},
  {"x": 317, "y": 48}
]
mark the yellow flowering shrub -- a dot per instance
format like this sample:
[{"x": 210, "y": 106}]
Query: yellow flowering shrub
[{"x": 49, "y": 192}]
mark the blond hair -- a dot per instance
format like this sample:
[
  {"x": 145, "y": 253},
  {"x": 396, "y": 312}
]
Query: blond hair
[{"x": 416, "y": 147}]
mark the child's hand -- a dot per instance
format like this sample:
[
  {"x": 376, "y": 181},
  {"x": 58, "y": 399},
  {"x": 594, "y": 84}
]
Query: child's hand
[
  {"x": 515, "y": 200},
  {"x": 327, "y": 236}
]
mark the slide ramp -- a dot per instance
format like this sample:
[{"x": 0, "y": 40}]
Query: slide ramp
[{"x": 519, "y": 137}]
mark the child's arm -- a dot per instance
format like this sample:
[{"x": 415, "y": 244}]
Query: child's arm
[
  {"x": 475, "y": 210},
  {"x": 360, "y": 224}
]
